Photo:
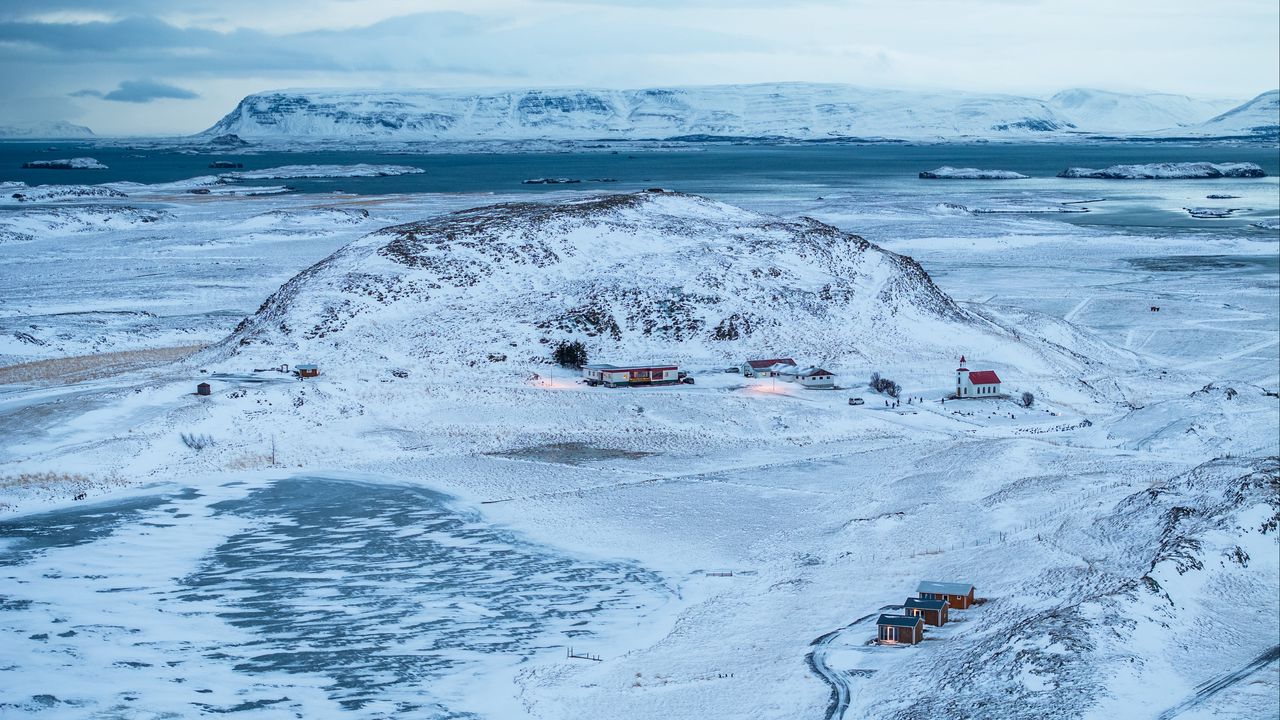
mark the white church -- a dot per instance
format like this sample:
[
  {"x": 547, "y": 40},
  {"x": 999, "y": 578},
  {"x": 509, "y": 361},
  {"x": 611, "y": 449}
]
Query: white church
[{"x": 976, "y": 383}]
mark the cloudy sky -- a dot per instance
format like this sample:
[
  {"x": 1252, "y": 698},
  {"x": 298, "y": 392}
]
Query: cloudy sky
[{"x": 158, "y": 66}]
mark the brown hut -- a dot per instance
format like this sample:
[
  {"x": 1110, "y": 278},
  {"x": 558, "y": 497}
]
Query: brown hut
[
  {"x": 933, "y": 612},
  {"x": 959, "y": 595},
  {"x": 899, "y": 629},
  {"x": 204, "y": 389}
]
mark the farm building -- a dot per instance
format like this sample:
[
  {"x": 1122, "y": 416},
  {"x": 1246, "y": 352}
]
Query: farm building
[
  {"x": 976, "y": 383},
  {"x": 899, "y": 629},
  {"x": 958, "y": 595},
  {"x": 204, "y": 389},
  {"x": 767, "y": 368},
  {"x": 933, "y": 612},
  {"x": 630, "y": 375},
  {"x": 816, "y": 377},
  {"x": 307, "y": 371}
]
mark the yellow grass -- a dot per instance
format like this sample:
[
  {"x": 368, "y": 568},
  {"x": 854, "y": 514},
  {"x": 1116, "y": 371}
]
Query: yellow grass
[{"x": 79, "y": 368}]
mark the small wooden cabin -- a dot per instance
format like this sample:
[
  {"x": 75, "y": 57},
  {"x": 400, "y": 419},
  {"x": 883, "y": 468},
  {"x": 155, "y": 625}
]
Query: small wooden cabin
[
  {"x": 895, "y": 629},
  {"x": 307, "y": 371},
  {"x": 933, "y": 612},
  {"x": 204, "y": 389},
  {"x": 958, "y": 595}
]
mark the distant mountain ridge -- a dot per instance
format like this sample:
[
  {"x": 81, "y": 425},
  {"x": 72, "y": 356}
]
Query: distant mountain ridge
[
  {"x": 46, "y": 130},
  {"x": 801, "y": 111},
  {"x": 1259, "y": 117}
]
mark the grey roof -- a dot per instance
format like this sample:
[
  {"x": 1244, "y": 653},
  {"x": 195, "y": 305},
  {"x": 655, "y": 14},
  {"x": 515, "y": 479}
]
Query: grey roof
[
  {"x": 944, "y": 588},
  {"x": 811, "y": 370},
  {"x": 899, "y": 620},
  {"x": 924, "y": 604}
]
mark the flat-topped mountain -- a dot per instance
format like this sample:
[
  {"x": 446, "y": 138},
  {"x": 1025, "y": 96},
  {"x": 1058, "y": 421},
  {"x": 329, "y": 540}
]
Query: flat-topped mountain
[{"x": 803, "y": 111}]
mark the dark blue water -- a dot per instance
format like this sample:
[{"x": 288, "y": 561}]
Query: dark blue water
[{"x": 711, "y": 169}]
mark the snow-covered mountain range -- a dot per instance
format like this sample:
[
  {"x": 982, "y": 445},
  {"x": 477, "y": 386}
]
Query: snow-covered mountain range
[
  {"x": 782, "y": 110},
  {"x": 53, "y": 129},
  {"x": 1258, "y": 118}
]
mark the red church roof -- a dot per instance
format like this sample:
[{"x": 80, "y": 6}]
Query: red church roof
[{"x": 984, "y": 377}]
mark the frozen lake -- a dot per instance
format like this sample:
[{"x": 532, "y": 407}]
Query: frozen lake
[{"x": 306, "y": 596}]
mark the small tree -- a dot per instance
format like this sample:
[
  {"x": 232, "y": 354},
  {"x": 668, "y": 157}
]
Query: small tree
[
  {"x": 875, "y": 381},
  {"x": 570, "y": 354},
  {"x": 1028, "y": 399},
  {"x": 894, "y": 390}
]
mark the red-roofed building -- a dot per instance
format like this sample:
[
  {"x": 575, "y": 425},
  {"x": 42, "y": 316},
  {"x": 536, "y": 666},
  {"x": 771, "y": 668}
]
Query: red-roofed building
[
  {"x": 976, "y": 383},
  {"x": 766, "y": 368}
]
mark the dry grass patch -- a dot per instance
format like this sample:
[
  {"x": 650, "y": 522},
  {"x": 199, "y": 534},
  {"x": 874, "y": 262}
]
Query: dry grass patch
[{"x": 79, "y": 368}]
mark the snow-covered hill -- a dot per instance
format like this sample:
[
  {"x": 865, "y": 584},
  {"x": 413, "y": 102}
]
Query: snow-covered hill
[
  {"x": 48, "y": 130},
  {"x": 1104, "y": 111},
  {"x": 643, "y": 276},
  {"x": 1257, "y": 118}
]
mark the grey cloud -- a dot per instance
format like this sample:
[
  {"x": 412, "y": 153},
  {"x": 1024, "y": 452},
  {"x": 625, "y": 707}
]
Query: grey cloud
[{"x": 141, "y": 91}]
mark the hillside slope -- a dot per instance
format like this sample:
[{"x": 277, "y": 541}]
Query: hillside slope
[{"x": 1258, "y": 118}]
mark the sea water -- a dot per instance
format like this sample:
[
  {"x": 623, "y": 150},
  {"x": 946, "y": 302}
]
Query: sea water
[{"x": 736, "y": 173}]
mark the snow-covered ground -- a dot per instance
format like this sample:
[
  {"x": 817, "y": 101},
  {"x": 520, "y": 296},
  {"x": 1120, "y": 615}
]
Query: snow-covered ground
[{"x": 1121, "y": 530}]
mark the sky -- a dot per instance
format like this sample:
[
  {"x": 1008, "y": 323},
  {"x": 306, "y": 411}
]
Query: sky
[{"x": 148, "y": 67}]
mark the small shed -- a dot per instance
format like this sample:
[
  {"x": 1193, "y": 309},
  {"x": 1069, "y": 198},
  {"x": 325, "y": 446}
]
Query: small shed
[
  {"x": 894, "y": 629},
  {"x": 816, "y": 377},
  {"x": 933, "y": 612},
  {"x": 307, "y": 371},
  {"x": 766, "y": 368},
  {"x": 204, "y": 388},
  {"x": 959, "y": 595}
]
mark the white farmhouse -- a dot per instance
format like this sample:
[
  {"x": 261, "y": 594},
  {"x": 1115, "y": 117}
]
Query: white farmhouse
[
  {"x": 767, "y": 368},
  {"x": 976, "y": 383},
  {"x": 816, "y": 377}
]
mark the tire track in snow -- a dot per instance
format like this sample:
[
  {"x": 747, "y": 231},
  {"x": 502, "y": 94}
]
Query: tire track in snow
[{"x": 841, "y": 688}]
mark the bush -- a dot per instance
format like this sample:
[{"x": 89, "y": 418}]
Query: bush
[
  {"x": 885, "y": 385},
  {"x": 196, "y": 442},
  {"x": 1028, "y": 399},
  {"x": 570, "y": 354}
]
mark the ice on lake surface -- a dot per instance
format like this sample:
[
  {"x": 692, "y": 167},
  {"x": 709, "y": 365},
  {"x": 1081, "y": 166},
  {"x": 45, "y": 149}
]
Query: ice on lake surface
[{"x": 311, "y": 594}]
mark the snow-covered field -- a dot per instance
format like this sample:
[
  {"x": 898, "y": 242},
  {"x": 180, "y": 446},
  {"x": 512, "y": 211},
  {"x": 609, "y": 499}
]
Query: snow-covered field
[{"x": 720, "y": 547}]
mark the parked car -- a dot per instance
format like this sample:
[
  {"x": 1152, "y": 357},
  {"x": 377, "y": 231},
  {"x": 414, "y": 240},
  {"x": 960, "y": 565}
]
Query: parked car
[
  {"x": 735, "y": 370},
  {"x": 857, "y": 401},
  {"x": 686, "y": 380}
]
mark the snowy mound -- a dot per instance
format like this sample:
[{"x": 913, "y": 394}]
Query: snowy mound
[
  {"x": 1259, "y": 118},
  {"x": 45, "y": 130},
  {"x": 46, "y": 193},
  {"x": 286, "y": 172},
  {"x": 1168, "y": 171},
  {"x": 792, "y": 110},
  {"x": 946, "y": 172},
  {"x": 80, "y": 163},
  {"x": 642, "y": 276}
]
